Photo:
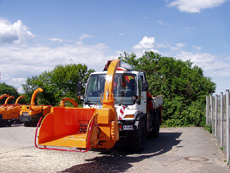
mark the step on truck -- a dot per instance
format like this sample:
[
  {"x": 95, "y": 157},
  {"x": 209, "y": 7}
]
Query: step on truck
[{"x": 117, "y": 107}]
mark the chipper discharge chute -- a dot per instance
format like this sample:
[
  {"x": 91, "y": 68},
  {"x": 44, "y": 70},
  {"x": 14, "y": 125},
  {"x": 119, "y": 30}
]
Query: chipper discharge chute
[
  {"x": 30, "y": 114},
  {"x": 4, "y": 95},
  {"x": 82, "y": 128}
]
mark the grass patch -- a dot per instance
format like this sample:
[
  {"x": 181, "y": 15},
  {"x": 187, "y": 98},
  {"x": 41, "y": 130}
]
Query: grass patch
[{"x": 208, "y": 127}]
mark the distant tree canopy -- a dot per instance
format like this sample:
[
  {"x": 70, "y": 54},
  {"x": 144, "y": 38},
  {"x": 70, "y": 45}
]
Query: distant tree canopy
[
  {"x": 10, "y": 90},
  {"x": 61, "y": 82},
  {"x": 183, "y": 86}
]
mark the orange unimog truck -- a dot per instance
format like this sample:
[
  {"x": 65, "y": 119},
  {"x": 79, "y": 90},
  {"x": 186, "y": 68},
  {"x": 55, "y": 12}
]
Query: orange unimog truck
[
  {"x": 30, "y": 114},
  {"x": 116, "y": 106}
]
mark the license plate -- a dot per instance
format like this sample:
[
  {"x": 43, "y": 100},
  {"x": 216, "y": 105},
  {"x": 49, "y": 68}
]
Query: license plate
[{"x": 127, "y": 127}]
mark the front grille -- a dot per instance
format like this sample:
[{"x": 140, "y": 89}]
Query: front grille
[{"x": 25, "y": 114}]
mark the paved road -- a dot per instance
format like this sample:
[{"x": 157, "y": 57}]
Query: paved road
[{"x": 177, "y": 150}]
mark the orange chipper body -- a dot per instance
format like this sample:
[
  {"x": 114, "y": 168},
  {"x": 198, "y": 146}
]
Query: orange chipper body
[{"x": 82, "y": 128}]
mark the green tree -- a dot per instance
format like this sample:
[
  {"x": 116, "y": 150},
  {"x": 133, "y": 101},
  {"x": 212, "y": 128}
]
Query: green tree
[
  {"x": 10, "y": 90},
  {"x": 183, "y": 86},
  {"x": 61, "y": 82}
]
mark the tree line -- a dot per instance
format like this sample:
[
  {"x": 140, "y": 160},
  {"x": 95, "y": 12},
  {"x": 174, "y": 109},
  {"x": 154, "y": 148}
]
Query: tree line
[{"x": 182, "y": 85}]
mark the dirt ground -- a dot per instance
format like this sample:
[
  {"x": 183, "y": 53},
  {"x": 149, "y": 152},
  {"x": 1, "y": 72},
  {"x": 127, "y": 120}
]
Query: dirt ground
[{"x": 177, "y": 150}]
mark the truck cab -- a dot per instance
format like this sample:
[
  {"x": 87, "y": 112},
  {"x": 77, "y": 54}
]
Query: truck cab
[{"x": 131, "y": 102}]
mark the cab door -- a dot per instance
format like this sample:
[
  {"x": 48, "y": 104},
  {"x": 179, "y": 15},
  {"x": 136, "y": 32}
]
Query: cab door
[{"x": 142, "y": 94}]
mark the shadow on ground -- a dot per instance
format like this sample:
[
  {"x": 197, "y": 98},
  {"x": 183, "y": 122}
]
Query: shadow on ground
[{"x": 120, "y": 160}]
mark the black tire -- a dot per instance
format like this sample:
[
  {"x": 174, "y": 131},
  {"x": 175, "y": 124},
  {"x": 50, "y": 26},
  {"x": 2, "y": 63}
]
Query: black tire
[
  {"x": 27, "y": 124},
  {"x": 17, "y": 121},
  {"x": 9, "y": 124},
  {"x": 137, "y": 138},
  {"x": 156, "y": 125}
]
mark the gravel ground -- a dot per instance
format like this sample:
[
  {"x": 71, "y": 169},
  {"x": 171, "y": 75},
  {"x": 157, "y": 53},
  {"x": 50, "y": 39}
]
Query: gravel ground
[{"x": 177, "y": 150}]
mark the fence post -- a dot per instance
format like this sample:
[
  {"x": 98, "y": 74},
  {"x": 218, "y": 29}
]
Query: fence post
[
  {"x": 227, "y": 117},
  {"x": 211, "y": 107},
  {"x": 215, "y": 115},
  {"x": 221, "y": 119},
  {"x": 207, "y": 110}
]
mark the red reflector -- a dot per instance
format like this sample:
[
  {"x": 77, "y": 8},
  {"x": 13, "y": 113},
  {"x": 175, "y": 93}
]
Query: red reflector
[{"x": 120, "y": 127}]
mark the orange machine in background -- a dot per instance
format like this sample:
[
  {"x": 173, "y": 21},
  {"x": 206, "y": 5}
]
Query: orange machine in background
[
  {"x": 30, "y": 114},
  {"x": 13, "y": 111},
  {"x": 9, "y": 113},
  {"x": 4, "y": 120}
]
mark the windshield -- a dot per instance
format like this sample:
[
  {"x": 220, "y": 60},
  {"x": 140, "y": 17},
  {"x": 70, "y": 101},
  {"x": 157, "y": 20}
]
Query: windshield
[{"x": 123, "y": 88}]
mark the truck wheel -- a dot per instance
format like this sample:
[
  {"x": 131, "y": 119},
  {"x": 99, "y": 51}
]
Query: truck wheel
[
  {"x": 137, "y": 138},
  {"x": 156, "y": 126},
  {"x": 9, "y": 124},
  {"x": 27, "y": 124}
]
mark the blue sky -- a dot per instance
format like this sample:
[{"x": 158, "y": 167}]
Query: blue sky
[{"x": 35, "y": 36}]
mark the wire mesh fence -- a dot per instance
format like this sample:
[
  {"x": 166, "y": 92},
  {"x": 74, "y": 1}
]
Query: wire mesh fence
[{"x": 217, "y": 118}]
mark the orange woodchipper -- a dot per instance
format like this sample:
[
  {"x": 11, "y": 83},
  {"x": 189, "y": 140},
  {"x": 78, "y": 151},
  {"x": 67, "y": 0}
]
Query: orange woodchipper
[
  {"x": 30, "y": 114},
  {"x": 10, "y": 112}
]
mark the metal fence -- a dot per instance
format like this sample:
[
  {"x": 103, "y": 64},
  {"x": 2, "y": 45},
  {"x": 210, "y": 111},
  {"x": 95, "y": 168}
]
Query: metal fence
[{"x": 217, "y": 116}]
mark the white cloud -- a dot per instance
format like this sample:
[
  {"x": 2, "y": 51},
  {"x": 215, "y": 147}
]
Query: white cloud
[
  {"x": 85, "y": 36},
  {"x": 212, "y": 65},
  {"x": 161, "y": 23},
  {"x": 56, "y": 39},
  {"x": 197, "y": 48},
  {"x": 19, "y": 63},
  {"x": 195, "y": 6},
  {"x": 178, "y": 46},
  {"x": 145, "y": 43},
  {"x": 14, "y": 33},
  {"x": 163, "y": 45}
]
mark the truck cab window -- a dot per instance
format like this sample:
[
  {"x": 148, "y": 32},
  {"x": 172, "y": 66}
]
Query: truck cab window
[{"x": 124, "y": 88}]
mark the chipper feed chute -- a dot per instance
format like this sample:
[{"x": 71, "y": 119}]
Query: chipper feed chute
[{"x": 82, "y": 128}]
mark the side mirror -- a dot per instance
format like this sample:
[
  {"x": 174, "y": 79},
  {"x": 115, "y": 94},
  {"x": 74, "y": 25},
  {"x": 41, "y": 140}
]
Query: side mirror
[
  {"x": 79, "y": 89},
  {"x": 79, "y": 86},
  {"x": 145, "y": 86}
]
